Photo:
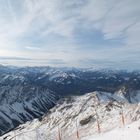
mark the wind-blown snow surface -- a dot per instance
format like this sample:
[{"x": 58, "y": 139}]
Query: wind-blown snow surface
[
  {"x": 129, "y": 132},
  {"x": 83, "y": 116}
]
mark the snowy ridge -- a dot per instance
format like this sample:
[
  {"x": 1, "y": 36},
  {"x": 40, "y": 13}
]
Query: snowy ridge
[
  {"x": 28, "y": 92},
  {"x": 80, "y": 114},
  {"x": 21, "y": 111},
  {"x": 129, "y": 132}
]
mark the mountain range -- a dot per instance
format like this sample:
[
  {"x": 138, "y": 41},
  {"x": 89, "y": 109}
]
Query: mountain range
[{"x": 30, "y": 92}]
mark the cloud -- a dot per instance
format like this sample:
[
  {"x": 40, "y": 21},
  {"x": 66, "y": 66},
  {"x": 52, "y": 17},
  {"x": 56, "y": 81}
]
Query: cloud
[
  {"x": 115, "y": 19},
  {"x": 72, "y": 31},
  {"x": 14, "y": 58},
  {"x": 55, "y": 62},
  {"x": 32, "y": 48}
]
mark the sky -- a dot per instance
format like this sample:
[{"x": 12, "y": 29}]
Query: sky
[{"x": 71, "y": 33}]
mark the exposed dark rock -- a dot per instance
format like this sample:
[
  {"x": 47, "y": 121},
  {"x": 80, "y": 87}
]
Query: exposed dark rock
[{"x": 86, "y": 120}]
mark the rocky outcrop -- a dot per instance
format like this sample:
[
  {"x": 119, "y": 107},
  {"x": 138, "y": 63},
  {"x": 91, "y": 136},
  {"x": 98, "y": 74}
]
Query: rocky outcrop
[{"x": 79, "y": 116}]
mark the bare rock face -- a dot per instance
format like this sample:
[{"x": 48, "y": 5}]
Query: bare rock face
[{"x": 87, "y": 120}]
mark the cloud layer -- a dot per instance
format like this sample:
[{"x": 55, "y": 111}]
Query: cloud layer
[{"x": 102, "y": 33}]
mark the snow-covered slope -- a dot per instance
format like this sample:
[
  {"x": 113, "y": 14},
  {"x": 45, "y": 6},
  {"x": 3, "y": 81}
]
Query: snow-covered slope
[
  {"x": 80, "y": 116},
  {"x": 11, "y": 115},
  {"x": 28, "y": 92},
  {"x": 129, "y": 132}
]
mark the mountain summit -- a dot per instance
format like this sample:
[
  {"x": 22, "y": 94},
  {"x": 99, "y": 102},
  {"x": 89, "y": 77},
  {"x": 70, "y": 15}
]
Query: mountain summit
[{"x": 79, "y": 117}]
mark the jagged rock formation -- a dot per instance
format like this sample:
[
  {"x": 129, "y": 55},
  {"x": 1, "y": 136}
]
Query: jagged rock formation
[{"x": 83, "y": 115}]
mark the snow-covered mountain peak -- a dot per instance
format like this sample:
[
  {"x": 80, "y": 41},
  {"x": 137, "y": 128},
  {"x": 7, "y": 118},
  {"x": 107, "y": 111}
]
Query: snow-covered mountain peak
[{"x": 86, "y": 115}]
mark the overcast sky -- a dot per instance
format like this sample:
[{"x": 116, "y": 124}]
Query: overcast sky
[{"x": 77, "y": 33}]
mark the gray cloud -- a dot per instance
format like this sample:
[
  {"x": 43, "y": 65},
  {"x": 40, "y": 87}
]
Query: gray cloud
[{"x": 14, "y": 58}]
